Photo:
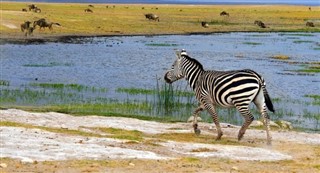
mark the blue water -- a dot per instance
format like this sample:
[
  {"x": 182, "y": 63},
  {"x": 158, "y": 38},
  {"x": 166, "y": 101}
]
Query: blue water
[
  {"x": 141, "y": 61},
  {"x": 198, "y": 2}
]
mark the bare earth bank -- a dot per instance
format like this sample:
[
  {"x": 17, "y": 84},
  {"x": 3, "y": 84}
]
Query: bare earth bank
[{"x": 55, "y": 142}]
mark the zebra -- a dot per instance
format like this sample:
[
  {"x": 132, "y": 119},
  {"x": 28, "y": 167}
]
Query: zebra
[{"x": 223, "y": 88}]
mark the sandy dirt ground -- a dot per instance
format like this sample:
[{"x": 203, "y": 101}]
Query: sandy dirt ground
[{"x": 32, "y": 142}]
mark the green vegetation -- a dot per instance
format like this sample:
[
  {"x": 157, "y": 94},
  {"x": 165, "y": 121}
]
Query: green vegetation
[
  {"x": 135, "y": 91},
  {"x": 161, "y": 44},
  {"x": 302, "y": 41},
  {"x": 252, "y": 43},
  {"x": 68, "y": 86},
  {"x": 49, "y": 129},
  {"x": 169, "y": 103},
  {"x": 316, "y": 98},
  {"x": 133, "y": 135},
  {"x": 4, "y": 83},
  {"x": 297, "y": 34},
  {"x": 51, "y": 64},
  {"x": 111, "y": 132},
  {"x": 311, "y": 69}
]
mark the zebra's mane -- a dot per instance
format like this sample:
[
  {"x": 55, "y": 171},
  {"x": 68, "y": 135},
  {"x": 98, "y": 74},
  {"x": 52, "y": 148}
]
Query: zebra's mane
[{"x": 194, "y": 61}]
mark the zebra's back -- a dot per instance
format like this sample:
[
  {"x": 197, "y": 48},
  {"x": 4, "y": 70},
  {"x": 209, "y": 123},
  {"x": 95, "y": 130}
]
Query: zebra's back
[{"x": 230, "y": 88}]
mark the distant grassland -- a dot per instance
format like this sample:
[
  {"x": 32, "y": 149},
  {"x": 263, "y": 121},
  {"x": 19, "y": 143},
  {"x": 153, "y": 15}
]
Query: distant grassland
[{"x": 126, "y": 19}]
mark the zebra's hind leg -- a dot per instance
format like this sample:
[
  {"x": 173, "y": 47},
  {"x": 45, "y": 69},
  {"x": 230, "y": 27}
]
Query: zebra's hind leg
[
  {"x": 245, "y": 112},
  {"x": 195, "y": 120},
  {"x": 266, "y": 122},
  {"x": 261, "y": 105}
]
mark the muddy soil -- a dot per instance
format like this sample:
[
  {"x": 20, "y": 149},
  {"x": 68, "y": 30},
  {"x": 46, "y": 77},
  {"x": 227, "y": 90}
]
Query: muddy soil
[{"x": 42, "y": 142}]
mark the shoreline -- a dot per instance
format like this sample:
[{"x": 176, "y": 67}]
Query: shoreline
[{"x": 68, "y": 38}]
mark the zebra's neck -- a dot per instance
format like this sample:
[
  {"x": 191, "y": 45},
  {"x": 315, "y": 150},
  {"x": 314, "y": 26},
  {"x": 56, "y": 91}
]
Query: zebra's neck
[{"x": 192, "y": 71}]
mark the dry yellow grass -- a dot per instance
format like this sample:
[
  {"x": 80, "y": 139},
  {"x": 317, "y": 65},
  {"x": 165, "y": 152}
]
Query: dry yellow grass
[{"x": 174, "y": 19}]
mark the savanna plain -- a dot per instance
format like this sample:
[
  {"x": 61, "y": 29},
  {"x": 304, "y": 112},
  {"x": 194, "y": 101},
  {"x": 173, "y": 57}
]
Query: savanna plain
[{"x": 42, "y": 140}]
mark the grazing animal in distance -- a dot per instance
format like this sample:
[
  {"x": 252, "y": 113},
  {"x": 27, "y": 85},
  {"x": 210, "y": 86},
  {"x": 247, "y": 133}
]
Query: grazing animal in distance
[
  {"x": 88, "y": 10},
  {"x": 151, "y": 16},
  {"x": 259, "y": 23},
  {"x": 227, "y": 89},
  {"x": 43, "y": 23},
  {"x": 25, "y": 26},
  {"x": 37, "y": 10},
  {"x": 24, "y": 10},
  {"x": 310, "y": 24},
  {"x": 34, "y": 8},
  {"x": 204, "y": 24},
  {"x": 224, "y": 13},
  {"x": 29, "y": 31},
  {"x": 31, "y": 7},
  {"x": 91, "y": 6}
]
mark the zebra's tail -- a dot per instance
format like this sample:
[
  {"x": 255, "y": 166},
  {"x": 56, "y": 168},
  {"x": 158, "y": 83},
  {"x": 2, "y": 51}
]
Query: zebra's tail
[{"x": 267, "y": 99}]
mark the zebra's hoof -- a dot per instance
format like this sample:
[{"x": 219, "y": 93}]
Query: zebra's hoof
[{"x": 197, "y": 131}]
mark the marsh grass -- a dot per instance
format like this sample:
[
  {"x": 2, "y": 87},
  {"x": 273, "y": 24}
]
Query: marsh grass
[
  {"x": 302, "y": 41},
  {"x": 62, "y": 86},
  {"x": 169, "y": 103},
  {"x": 161, "y": 44},
  {"x": 297, "y": 34},
  {"x": 310, "y": 69},
  {"x": 252, "y": 43},
  {"x": 51, "y": 64},
  {"x": 4, "y": 83},
  {"x": 316, "y": 99}
]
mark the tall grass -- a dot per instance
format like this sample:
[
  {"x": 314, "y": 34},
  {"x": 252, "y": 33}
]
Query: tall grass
[
  {"x": 4, "y": 83},
  {"x": 165, "y": 102}
]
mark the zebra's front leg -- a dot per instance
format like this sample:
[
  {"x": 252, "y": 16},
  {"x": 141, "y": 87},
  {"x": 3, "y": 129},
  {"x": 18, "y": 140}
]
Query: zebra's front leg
[
  {"x": 245, "y": 112},
  {"x": 215, "y": 119},
  {"x": 195, "y": 119}
]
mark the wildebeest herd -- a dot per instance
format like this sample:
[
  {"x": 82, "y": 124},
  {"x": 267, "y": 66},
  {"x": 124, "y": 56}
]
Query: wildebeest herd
[
  {"x": 42, "y": 23},
  {"x": 32, "y": 7},
  {"x": 28, "y": 29},
  {"x": 256, "y": 22}
]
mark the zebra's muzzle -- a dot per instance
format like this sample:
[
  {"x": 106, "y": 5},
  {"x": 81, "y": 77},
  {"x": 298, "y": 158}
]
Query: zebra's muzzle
[{"x": 167, "y": 79}]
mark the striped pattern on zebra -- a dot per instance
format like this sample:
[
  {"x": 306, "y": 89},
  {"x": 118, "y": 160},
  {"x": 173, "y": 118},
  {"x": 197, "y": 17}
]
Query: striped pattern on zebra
[{"x": 223, "y": 88}]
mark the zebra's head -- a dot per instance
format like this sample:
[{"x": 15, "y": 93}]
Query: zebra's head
[{"x": 175, "y": 73}]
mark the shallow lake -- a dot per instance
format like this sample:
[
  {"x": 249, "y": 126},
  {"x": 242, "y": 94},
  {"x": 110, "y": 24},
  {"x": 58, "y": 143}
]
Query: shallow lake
[{"x": 141, "y": 61}]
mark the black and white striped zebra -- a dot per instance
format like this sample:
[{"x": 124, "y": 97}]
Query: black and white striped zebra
[{"x": 223, "y": 88}]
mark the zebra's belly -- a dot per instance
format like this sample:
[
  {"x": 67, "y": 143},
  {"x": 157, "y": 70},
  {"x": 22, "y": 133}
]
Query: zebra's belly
[
  {"x": 225, "y": 104},
  {"x": 228, "y": 98}
]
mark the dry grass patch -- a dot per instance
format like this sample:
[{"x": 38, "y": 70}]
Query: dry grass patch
[
  {"x": 174, "y": 19},
  {"x": 280, "y": 57}
]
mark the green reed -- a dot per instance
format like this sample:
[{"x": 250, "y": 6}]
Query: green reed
[
  {"x": 164, "y": 102},
  {"x": 4, "y": 83}
]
